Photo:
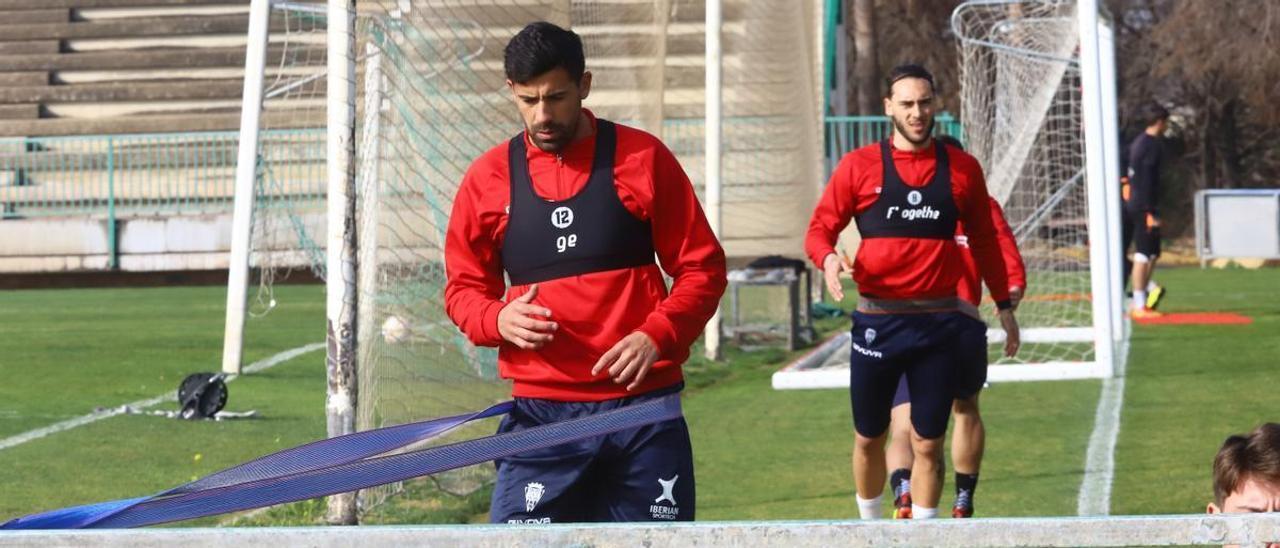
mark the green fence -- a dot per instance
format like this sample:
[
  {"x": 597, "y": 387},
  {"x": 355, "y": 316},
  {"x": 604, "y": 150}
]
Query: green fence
[
  {"x": 845, "y": 133},
  {"x": 114, "y": 176},
  {"x": 147, "y": 174}
]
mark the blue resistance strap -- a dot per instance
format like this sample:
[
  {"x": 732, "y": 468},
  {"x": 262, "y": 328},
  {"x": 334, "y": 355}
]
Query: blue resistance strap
[{"x": 343, "y": 464}]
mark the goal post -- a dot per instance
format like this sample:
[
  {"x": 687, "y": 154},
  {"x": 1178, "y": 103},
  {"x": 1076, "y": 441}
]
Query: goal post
[
  {"x": 341, "y": 296},
  {"x": 246, "y": 175}
]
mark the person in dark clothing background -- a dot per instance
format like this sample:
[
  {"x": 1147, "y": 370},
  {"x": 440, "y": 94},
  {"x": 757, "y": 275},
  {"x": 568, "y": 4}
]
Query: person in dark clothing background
[{"x": 1141, "y": 195}]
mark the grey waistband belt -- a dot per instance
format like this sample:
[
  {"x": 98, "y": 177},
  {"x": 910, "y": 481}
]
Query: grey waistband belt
[{"x": 870, "y": 305}]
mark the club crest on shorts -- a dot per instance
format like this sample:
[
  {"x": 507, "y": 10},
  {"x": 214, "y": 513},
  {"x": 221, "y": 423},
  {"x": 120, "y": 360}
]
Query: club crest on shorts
[
  {"x": 914, "y": 197},
  {"x": 869, "y": 335},
  {"x": 532, "y": 494}
]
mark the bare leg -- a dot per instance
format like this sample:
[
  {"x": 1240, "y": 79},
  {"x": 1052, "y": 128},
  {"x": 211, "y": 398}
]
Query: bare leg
[
  {"x": 1141, "y": 275},
  {"x": 926, "y": 471},
  {"x": 968, "y": 439},
  {"x": 898, "y": 455},
  {"x": 868, "y": 465}
]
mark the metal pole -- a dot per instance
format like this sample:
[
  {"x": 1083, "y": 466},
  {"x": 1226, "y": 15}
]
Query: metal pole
[
  {"x": 246, "y": 175},
  {"x": 1100, "y": 250},
  {"x": 1111, "y": 166},
  {"x": 711, "y": 154},
  {"x": 113, "y": 247},
  {"x": 340, "y": 283}
]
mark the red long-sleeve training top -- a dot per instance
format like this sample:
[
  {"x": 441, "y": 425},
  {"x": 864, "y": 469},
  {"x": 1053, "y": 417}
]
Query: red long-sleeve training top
[
  {"x": 909, "y": 268},
  {"x": 596, "y": 310},
  {"x": 970, "y": 288}
]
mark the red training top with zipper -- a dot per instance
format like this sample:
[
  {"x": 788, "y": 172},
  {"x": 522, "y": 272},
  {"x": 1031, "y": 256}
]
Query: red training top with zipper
[
  {"x": 909, "y": 268},
  {"x": 596, "y": 310},
  {"x": 970, "y": 288}
]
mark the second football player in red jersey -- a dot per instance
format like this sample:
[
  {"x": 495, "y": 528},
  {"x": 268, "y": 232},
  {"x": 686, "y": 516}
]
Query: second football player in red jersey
[
  {"x": 968, "y": 436},
  {"x": 907, "y": 195}
]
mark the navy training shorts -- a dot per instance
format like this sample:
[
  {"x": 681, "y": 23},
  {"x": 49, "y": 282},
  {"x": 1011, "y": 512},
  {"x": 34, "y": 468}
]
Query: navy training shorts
[
  {"x": 929, "y": 349},
  {"x": 973, "y": 370},
  {"x": 642, "y": 474}
]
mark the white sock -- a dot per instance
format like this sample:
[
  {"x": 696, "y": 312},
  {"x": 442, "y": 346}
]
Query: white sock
[
  {"x": 1140, "y": 299},
  {"x": 1152, "y": 285},
  {"x": 920, "y": 512},
  {"x": 870, "y": 508}
]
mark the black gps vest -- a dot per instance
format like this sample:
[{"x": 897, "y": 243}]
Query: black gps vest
[
  {"x": 903, "y": 211},
  {"x": 589, "y": 232}
]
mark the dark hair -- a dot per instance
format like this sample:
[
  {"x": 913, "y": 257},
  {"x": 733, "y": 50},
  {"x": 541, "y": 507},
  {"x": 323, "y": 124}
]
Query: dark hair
[
  {"x": 949, "y": 140},
  {"x": 1151, "y": 113},
  {"x": 540, "y": 48},
  {"x": 907, "y": 71},
  {"x": 1255, "y": 455}
]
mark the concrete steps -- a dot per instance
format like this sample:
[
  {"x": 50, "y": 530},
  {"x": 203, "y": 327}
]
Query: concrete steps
[
  {"x": 88, "y": 67},
  {"x": 37, "y": 16},
  {"x": 232, "y": 56},
  {"x": 226, "y": 120},
  {"x": 30, "y": 46},
  {"x": 15, "y": 5},
  {"x": 131, "y": 28}
]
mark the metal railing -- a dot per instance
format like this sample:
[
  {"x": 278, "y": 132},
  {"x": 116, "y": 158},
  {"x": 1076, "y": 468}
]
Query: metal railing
[
  {"x": 846, "y": 133},
  {"x": 181, "y": 173},
  {"x": 147, "y": 174}
]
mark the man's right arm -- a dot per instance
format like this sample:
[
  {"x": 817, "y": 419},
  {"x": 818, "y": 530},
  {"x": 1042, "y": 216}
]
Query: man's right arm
[
  {"x": 831, "y": 216},
  {"x": 833, "y": 213},
  {"x": 473, "y": 263}
]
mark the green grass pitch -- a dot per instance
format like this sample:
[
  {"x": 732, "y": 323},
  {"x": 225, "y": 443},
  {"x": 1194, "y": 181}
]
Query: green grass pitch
[{"x": 760, "y": 453}]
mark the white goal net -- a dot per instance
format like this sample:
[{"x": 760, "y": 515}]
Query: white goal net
[{"x": 430, "y": 97}]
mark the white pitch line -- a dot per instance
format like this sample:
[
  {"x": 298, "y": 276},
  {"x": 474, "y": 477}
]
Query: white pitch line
[
  {"x": 142, "y": 404},
  {"x": 1100, "y": 462}
]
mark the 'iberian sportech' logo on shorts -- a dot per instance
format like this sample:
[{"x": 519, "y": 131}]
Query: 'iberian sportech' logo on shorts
[{"x": 659, "y": 511}]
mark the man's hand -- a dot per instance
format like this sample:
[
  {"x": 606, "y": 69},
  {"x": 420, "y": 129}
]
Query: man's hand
[
  {"x": 1012, "y": 338},
  {"x": 1015, "y": 296},
  {"x": 1153, "y": 221},
  {"x": 629, "y": 359},
  {"x": 832, "y": 268},
  {"x": 523, "y": 324}
]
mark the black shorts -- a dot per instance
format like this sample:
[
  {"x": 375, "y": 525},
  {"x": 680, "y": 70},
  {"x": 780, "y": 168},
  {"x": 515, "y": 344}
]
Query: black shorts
[
  {"x": 921, "y": 347},
  {"x": 643, "y": 474},
  {"x": 972, "y": 375},
  {"x": 1146, "y": 239}
]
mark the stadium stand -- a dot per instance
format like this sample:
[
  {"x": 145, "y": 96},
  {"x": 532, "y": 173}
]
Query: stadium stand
[
  {"x": 82, "y": 67},
  {"x": 163, "y": 79}
]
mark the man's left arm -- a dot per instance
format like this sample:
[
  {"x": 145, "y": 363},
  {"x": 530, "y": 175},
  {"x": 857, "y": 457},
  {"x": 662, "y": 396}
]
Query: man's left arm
[
  {"x": 1014, "y": 267},
  {"x": 975, "y": 213},
  {"x": 689, "y": 252}
]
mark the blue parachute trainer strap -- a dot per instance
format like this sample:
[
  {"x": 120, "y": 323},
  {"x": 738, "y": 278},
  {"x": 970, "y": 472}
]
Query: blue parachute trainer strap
[
  {"x": 312, "y": 456},
  {"x": 338, "y": 450},
  {"x": 244, "y": 487}
]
